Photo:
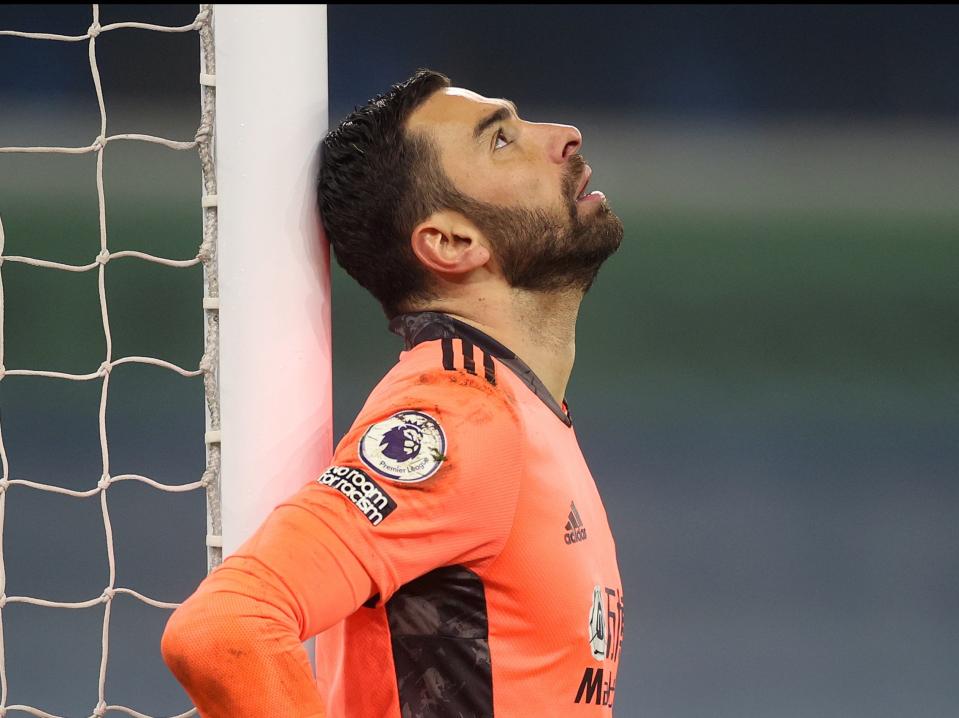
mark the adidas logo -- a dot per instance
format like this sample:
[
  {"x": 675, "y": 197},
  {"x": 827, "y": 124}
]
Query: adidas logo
[{"x": 575, "y": 531}]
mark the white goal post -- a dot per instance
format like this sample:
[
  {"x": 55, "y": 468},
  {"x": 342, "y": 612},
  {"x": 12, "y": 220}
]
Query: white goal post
[{"x": 275, "y": 362}]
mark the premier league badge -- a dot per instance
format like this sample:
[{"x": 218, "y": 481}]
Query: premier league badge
[{"x": 409, "y": 446}]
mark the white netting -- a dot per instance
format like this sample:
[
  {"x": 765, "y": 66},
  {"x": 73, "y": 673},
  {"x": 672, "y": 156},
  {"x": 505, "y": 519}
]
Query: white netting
[{"x": 210, "y": 480}]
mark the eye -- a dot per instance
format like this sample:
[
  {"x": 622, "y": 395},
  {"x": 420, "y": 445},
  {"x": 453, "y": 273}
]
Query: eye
[{"x": 500, "y": 138}]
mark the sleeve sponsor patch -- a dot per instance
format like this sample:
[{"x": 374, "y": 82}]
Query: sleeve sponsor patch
[{"x": 356, "y": 485}]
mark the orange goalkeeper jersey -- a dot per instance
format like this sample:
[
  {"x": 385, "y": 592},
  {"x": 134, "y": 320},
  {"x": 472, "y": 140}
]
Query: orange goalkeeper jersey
[{"x": 467, "y": 539}]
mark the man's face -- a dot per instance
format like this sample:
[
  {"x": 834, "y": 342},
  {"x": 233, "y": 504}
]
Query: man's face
[{"x": 524, "y": 188}]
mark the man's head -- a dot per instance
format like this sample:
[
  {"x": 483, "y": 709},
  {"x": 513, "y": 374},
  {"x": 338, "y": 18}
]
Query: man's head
[{"x": 428, "y": 183}]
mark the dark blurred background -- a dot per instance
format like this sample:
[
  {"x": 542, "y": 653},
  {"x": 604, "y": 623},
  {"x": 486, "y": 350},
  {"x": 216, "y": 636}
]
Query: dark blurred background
[{"x": 765, "y": 385}]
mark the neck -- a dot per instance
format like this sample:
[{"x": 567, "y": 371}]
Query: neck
[{"x": 539, "y": 327}]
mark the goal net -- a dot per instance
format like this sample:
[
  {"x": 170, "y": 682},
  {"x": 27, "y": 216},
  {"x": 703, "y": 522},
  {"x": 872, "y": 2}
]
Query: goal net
[{"x": 270, "y": 359}]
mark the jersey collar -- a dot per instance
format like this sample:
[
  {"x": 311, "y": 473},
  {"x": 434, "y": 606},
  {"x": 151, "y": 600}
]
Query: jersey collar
[{"x": 419, "y": 327}]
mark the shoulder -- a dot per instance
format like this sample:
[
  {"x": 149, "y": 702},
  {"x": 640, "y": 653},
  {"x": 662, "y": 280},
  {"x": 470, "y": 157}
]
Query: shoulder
[
  {"x": 430, "y": 473},
  {"x": 447, "y": 377},
  {"x": 431, "y": 407}
]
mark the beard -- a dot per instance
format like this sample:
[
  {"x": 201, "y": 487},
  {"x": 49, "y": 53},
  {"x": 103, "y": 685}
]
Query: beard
[{"x": 549, "y": 250}]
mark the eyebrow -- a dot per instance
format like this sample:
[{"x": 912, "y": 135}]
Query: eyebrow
[{"x": 498, "y": 115}]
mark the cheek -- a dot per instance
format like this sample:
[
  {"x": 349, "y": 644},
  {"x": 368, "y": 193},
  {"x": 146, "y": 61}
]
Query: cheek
[
  {"x": 501, "y": 184},
  {"x": 528, "y": 190}
]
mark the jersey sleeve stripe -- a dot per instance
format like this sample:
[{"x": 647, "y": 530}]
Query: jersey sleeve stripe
[
  {"x": 468, "y": 363},
  {"x": 448, "y": 354},
  {"x": 489, "y": 368}
]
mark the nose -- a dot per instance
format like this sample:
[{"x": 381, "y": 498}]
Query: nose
[{"x": 564, "y": 140}]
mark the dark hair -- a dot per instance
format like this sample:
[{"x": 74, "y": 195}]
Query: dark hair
[{"x": 376, "y": 182}]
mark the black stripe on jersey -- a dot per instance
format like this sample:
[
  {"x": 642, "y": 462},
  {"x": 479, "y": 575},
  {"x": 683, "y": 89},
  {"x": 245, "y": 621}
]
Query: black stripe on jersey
[
  {"x": 418, "y": 327},
  {"x": 448, "y": 354},
  {"x": 489, "y": 368},
  {"x": 468, "y": 362},
  {"x": 439, "y": 631}
]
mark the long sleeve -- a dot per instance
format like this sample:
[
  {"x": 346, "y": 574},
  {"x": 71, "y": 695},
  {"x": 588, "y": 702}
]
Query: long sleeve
[
  {"x": 357, "y": 532},
  {"x": 236, "y": 644}
]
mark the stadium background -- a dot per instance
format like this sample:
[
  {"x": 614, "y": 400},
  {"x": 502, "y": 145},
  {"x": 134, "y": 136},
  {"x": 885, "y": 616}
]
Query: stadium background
[{"x": 765, "y": 384}]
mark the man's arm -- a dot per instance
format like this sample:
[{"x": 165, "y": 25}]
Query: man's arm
[{"x": 236, "y": 644}]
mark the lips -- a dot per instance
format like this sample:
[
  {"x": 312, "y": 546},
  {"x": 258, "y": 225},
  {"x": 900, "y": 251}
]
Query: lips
[{"x": 587, "y": 173}]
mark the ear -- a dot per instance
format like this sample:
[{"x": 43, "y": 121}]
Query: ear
[{"x": 449, "y": 244}]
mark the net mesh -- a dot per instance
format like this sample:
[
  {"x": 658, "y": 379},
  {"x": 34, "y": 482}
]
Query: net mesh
[{"x": 206, "y": 255}]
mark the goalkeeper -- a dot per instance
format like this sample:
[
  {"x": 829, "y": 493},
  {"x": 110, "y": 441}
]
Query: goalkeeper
[{"x": 455, "y": 559}]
